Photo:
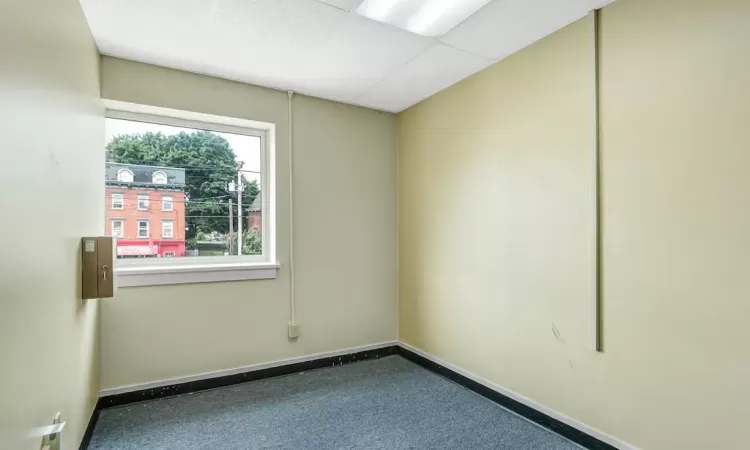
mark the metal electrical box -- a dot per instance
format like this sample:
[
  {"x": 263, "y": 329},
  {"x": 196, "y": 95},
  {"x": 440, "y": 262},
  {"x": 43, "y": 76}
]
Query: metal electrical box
[{"x": 98, "y": 267}]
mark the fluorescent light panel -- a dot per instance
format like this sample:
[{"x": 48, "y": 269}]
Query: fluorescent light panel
[{"x": 426, "y": 17}]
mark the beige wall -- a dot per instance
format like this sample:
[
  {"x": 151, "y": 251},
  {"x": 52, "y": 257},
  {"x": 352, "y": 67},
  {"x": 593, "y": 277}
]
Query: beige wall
[
  {"x": 345, "y": 241},
  {"x": 495, "y": 239},
  {"x": 52, "y": 185}
]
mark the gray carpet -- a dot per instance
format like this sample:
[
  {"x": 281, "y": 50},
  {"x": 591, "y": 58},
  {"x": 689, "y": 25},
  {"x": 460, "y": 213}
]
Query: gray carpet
[{"x": 389, "y": 403}]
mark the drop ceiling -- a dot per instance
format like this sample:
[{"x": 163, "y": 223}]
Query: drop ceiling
[{"x": 322, "y": 48}]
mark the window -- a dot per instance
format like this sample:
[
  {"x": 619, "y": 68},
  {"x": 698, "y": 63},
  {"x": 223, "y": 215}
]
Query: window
[
  {"x": 125, "y": 176},
  {"x": 169, "y": 254},
  {"x": 117, "y": 229},
  {"x": 143, "y": 229},
  {"x": 117, "y": 202},
  {"x": 159, "y": 178},
  {"x": 143, "y": 202},
  {"x": 166, "y": 203},
  {"x": 224, "y": 226},
  {"x": 167, "y": 229}
]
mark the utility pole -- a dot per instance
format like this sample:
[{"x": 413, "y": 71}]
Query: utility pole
[
  {"x": 231, "y": 228},
  {"x": 239, "y": 212}
]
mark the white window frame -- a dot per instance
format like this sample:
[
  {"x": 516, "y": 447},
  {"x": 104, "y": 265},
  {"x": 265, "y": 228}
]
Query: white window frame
[
  {"x": 139, "y": 198},
  {"x": 121, "y": 197},
  {"x": 160, "y": 271},
  {"x": 171, "y": 203},
  {"x": 159, "y": 172},
  {"x": 122, "y": 228},
  {"x": 138, "y": 229},
  {"x": 164, "y": 222},
  {"x": 121, "y": 171}
]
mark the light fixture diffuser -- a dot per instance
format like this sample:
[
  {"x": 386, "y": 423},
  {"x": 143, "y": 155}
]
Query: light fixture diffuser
[{"x": 426, "y": 17}]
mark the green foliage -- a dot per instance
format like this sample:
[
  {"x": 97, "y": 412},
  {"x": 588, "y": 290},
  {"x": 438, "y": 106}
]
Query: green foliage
[
  {"x": 252, "y": 244},
  {"x": 209, "y": 163}
]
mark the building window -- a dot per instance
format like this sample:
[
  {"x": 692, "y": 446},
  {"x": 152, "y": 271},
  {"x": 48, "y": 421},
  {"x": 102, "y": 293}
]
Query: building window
[
  {"x": 166, "y": 203},
  {"x": 167, "y": 229},
  {"x": 143, "y": 202},
  {"x": 159, "y": 178},
  {"x": 143, "y": 229},
  {"x": 169, "y": 254},
  {"x": 125, "y": 176},
  {"x": 117, "y": 202},
  {"x": 117, "y": 229},
  {"x": 222, "y": 163}
]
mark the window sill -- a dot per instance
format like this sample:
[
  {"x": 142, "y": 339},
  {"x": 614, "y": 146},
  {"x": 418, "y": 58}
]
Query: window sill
[{"x": 193, "y": 273}]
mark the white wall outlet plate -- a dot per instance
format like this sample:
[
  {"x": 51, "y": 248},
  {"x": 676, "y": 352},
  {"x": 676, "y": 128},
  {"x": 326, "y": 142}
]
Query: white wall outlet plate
[{"x": 293, "y": 330}]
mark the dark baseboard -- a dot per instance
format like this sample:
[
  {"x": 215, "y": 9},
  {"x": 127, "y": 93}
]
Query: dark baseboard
[
  {"x": 111, "y": 401},
  {"x": 228, "y": 380},
  {"x": 563, "y": 429},
  {"x": 528, "y": 412},
  {"x": 90, "y": 427}
]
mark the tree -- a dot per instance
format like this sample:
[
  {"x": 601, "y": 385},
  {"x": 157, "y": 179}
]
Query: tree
[
  {"x": 252, "y": 244},
  {"x": 209, "y": 163}
]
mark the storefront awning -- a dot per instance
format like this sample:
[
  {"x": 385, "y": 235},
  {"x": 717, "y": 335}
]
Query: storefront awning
[{"x": 137, "y": 250}]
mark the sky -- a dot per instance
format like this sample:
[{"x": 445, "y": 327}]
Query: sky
[{"x": 246, "y": 148}]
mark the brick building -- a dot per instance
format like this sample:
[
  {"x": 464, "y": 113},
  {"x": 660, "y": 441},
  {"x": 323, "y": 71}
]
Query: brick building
[
  {"x": 254, "y": 215},
  {"x": 145, "y": 210}
]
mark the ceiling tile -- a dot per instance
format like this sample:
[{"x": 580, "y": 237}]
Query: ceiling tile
[
  {"x": 358, "y": 55},
  {"x": 346, "y": 5},
  {"x": 316, "y": 47},
  {"x": 299, "y": 45},
  {"x": 425, "y": 17},
  {"x": 505, "y": 26},
  {"x": 258, "y": 39},
  {"x": 432, "y": 71}
]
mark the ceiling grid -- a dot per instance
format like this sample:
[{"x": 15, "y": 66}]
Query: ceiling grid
[{"x": 324, "y": 48}]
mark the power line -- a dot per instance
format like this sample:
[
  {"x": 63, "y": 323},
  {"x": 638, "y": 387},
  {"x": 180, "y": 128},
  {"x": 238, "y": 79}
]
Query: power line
[
  {"x": 180, "y": 185},
  {"x": 183, "y": 166},
  {"x": 158, "y": 201}
]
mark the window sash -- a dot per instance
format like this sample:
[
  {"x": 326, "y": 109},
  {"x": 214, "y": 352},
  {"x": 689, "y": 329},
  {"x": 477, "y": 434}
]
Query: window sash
[
  {"x": 159, "y": 178},
  {"x": 117, "y": 201},
  {"x": 142, "y": 202},
  {"x": 143, "y": 228},
  {"x": 167, "y": 229},
  {"x": 125, "y": 176},
  {"x": 167, "y": 203},
  {"x": 118, "y": 228}
]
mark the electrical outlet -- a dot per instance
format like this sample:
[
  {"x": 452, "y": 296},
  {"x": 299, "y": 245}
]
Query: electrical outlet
[{"x": 293, "y": 330}]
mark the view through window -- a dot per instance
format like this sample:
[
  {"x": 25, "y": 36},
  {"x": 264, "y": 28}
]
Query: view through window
[{"x": 173, "y": 192}]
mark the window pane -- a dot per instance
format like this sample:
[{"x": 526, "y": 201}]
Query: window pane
[
  {"x": 117, "y": 201},
  {"x": 142, "y": 229},
  {"x": 167, "y": 229},
  {"x": 117, "y": 228},
  {"x": 159, "y": 178},
  {"x": 125, "y": 175},
  {"x": 186, "y": 173},
  {"x": 166, "y": 203},
  {"x": 143, "y": 201}
]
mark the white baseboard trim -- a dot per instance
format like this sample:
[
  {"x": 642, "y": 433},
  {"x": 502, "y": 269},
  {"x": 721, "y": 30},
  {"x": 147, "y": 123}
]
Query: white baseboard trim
[
  {"x": 243, "y": 369},
  {"x": 591, "y": 431}
]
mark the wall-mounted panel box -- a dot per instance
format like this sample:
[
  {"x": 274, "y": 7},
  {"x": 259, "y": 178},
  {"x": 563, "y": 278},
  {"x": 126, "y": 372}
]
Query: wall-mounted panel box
[{"x": 98, "y": 267}]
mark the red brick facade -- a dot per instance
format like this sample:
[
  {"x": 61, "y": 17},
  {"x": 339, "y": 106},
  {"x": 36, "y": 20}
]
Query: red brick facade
[{"x": 130, "y": 243}]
